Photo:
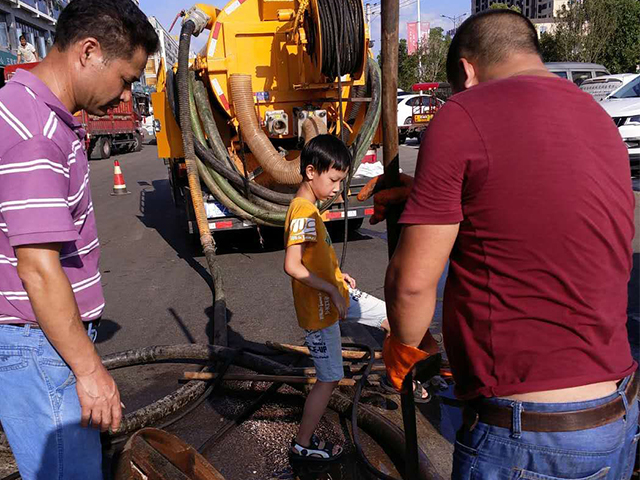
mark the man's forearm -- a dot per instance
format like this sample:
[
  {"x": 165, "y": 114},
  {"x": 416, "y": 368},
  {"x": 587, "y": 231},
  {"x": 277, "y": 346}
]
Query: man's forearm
[
  {"x": 57, "y": 313},
  {"x": 409, "y": 312}
]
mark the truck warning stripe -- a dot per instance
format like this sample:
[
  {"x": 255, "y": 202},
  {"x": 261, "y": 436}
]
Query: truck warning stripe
[
  {"x": 234, "y": 6},
  {"x": 214, "y": 39},
  {"x": 220, "y": 93}
]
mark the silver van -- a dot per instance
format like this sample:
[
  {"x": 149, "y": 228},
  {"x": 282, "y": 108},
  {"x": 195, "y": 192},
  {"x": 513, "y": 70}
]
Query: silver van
[{"x": 577, "y": 72}]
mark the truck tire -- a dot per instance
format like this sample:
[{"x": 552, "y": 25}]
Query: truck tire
[
  {"x": 137, "y": 142},
  {"x": 104, "y": 148},
  {"x": 402, "y": 137}
]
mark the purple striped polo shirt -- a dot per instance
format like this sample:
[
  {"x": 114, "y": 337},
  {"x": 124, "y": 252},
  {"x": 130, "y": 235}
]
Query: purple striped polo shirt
[{"x": 44, "y": 195}]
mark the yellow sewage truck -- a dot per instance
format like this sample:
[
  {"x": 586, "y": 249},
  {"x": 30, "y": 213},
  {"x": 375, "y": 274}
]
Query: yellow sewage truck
[{"x": 272, "y": 75}]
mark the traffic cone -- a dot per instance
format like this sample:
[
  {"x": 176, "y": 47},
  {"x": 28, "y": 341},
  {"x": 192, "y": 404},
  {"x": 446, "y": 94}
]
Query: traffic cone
[{"x": 119, "y": 187}]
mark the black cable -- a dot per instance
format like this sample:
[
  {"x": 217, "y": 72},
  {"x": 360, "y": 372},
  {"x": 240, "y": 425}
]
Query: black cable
[
  {"x": 345, "y": 188},
  {"x": 354, "y": 413},
  {"x": 338, "y": 16}
]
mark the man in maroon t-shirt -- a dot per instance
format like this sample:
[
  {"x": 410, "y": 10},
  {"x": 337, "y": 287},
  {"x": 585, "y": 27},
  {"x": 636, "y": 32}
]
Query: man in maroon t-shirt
[{"x": 523, "y": 184}]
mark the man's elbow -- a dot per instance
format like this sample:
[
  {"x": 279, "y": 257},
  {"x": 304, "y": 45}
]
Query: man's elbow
[
  {"x": 31, "y": 273},
  {"x": 34, "y": 271},
  {"x": 401, "y": 284}
]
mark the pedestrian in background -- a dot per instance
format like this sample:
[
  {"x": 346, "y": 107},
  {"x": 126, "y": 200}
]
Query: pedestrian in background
[
  {"x": 26, "y": 52},
  {"x": 52, "y": 381},
  {"x": 523, "y": 184}
]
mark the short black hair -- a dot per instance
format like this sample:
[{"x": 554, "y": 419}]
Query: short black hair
[
  {"x": 119, "y": 26},
  {"x": 324, "y": 152},
  {"x": 489, "y": 38},
  {"x": 22, "y": 37}
]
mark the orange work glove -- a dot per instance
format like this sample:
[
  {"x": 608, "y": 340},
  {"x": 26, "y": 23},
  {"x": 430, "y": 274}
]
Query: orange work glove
[
  {"x": 382, "y": 197},
  {"x": 399, "y": 359}
]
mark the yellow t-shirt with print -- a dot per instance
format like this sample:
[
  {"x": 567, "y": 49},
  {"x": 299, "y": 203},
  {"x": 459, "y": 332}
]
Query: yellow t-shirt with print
[{"x": 304, "y": 224}]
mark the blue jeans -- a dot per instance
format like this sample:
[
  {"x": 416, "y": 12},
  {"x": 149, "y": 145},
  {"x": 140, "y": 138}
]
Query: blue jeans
[
  {"x": 40, "y": 410},
  {"x": 602, "y": 453}
]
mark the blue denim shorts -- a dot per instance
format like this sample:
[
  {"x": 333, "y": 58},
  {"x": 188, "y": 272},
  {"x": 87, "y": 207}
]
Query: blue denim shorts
[
  {"x": 603, "y": 453},
  {"x": 325, "y": 346},
  {"x": 40, "y": 410}
]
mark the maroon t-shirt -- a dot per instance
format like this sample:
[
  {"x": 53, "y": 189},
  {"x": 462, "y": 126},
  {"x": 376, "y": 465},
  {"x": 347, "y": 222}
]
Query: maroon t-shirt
[{"x": 537, "y": 175}]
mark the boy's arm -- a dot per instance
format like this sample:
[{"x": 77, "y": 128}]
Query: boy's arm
[{"x": 294, "y": 267}]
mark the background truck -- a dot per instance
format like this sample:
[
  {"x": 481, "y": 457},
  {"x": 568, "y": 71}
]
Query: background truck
[{"x": 119, "y": 131}]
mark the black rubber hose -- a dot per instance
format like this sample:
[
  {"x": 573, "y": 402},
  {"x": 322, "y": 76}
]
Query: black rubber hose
[
  {"x": 209, "y": 123},
  {"x": 209, "y": 157},
  {"x": 206, "y": 239}
]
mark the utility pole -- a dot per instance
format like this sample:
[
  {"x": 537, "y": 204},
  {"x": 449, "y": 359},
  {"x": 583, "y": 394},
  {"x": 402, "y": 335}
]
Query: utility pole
[
  {"x": 419, "y": 41},
  {"x": 389, "y": 51}
]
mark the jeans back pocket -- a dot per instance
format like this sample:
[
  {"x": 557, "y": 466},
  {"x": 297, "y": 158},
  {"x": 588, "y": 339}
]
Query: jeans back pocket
[
  {"x": 528, "y": 475},
  {"x": 12, "y": 358}
]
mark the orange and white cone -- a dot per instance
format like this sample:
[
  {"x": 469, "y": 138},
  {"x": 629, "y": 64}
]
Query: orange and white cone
[{"x": 119, "y": 187}]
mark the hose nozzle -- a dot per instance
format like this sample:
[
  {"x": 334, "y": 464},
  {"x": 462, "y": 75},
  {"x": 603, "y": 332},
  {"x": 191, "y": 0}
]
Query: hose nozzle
[{"x": 199, "y": 18}]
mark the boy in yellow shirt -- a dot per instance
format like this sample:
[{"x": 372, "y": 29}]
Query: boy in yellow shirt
[{"x": 322, "y": 294}]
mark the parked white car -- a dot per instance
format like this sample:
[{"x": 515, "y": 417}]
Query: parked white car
[
  {"x": 407, "y": 106},
  {"x": 624, "y": 108},
  {"x": 603, "y": 87}
]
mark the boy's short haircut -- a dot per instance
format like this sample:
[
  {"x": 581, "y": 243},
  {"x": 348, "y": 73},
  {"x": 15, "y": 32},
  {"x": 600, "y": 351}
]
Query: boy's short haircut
[
  {"x": 22, "y": 37},
  {"x": 324, "y": 152}
]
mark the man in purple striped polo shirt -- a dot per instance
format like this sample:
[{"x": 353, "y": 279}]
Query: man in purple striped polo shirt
[{"x": 52, "y": 382}]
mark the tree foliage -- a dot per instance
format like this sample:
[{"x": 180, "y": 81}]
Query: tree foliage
[
  {"x": 499, "y": 6},
  {"x": 427, "y": 64},
  {"x": 407, "y": 66},
  {"x": 433, "y": 56},
  {"x": 599, "y": 31}
]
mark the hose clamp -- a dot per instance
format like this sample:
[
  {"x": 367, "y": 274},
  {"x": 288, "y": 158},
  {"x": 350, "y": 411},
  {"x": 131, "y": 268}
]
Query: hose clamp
[{"x": 199, "y": 18}]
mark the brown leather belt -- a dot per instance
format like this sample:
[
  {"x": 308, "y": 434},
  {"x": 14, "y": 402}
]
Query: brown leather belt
[{"x": 499, "y": 416}]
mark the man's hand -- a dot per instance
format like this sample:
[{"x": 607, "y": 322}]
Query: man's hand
[
  {"x": 340, "y": 303},
  {"x": 349, "y": 280},
  {"x": 383, "y": 195},
  {"x": 100, "y": 400}
]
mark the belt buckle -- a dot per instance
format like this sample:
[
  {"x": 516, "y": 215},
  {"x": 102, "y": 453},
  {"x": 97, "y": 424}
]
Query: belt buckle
[{"x": 470, "y": 418}]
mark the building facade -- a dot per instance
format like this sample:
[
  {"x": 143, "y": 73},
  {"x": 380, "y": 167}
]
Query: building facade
[
  {"x": 533, "y": 9},
  {"x": 168, "y": 52},
  {"x": 35, "y": 19}
]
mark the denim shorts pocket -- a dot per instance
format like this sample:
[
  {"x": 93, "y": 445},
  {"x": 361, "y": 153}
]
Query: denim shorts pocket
[
  {"x": 12, "y": 358},
  {"x": 528, "y": 475}
]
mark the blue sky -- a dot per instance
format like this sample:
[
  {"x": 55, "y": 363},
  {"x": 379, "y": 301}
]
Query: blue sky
[{"x": 165, "y": 11}]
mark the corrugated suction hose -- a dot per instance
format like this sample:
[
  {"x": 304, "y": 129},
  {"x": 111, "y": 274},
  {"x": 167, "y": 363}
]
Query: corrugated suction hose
[{"x": 282, "y": 170}]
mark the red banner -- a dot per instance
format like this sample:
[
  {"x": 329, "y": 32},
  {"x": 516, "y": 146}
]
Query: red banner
[{"x": 412, "y": 37}]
